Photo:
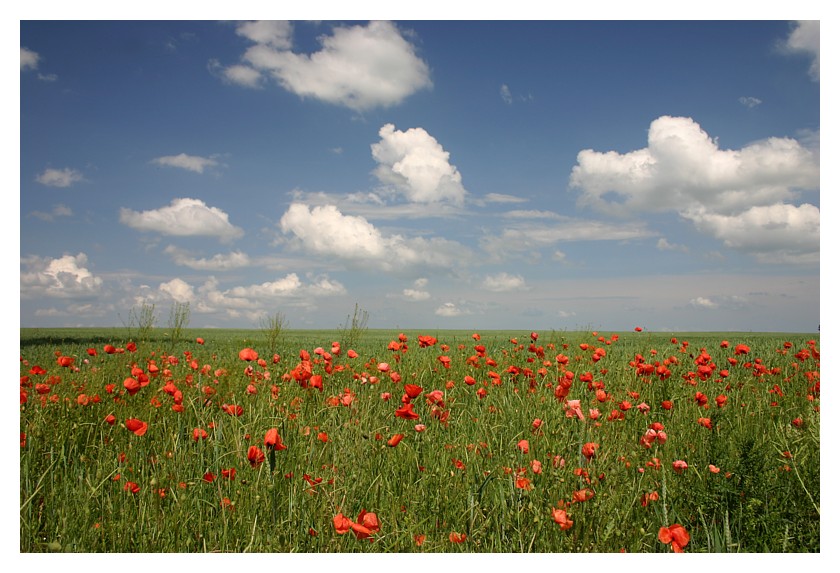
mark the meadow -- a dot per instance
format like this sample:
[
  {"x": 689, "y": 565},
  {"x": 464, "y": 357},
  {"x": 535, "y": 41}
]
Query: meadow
[{"x": 434, "y": 441}]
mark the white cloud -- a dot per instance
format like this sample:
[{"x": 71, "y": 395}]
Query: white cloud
[
  {"x": 218, "y": 262},
  {"x": 360, "y": 67},
  {"x": 503, "y": 198},
  {"x": 722, "y": 302},
  {"x": 59, "y": 177},
  {"x": 324, "y": 230},
  {"x": 65, "y": 277},
  {"x": 702, "y": 302},
  {"x": 503, "y": 282},
  {"x": 264, "y": 296},
  {"x": 275, "y": 33},
  {"x": 528, "y": 233},
  {"x": 774, "y": 233},
  {"x": 683, "y": 167},
  {"x": 57, "y": 211},
  {"x": 417, "y": 166},
  {"x": 663, "y": 245},
  {"x": 805, "y": 37},
  {"x": 504, "y": 91},
  {"x": 188, "y": 162},
  {"x": 183, "y": 217},
  {"x": 416, "y": 295},
  {"x": 749, "y": 101},
  {"x": 738, "y": 196},
  {"x": 449, "y": 309},
  {"x": 28, "y": 59},
  {"x": 178, "y": 290}
]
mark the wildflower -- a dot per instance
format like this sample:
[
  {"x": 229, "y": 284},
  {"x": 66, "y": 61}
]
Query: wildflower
[
  {"x": 536, "y": 466},
  {"x": 419, "y": 539},
  {"x": 582, "y": 495},
  {"x": 523, "y": 483},
  {"x": 679, "y": 466},
  {"x": 676, "y": 535},
  {"x": 131, "y": 486},
  {"x": 273, "y": 441},
  {"x": 455, "y": 537},
  {"x": 199, "y": 434},
  {"x": 367, "y": 523},
  {"x": 248, "y": 354},
  {"x": 561, "y": 518},
  {"x": 395, "y": 439},
  {"x": 714, "y": 469},
  {"x": 588, "y": 450},
  {"x": 139, "y": 427},
  {"x": 407, "y": 412},
  {"x": 341, "y": 523},
  {"x": 523, "y": 446},
  {"x": 255, "y": 456},
  {"x": 649, "y": 497},
  {"x": 705, "y": 422}
]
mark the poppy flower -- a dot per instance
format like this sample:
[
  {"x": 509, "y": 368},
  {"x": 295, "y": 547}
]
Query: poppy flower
[
  {"x": 679, "y": 466},
  {"x": 199, "y": 340},
  {"x": 131, "y": 486},
  {"x": 341, "y": 523},
  {"x": 561, "y": 518},
  {"x": 455, "y": 537},
  {"x": 395, "y": 439},
  {"x": 132, "y": 386},
  {"x": 412, "y": 390},
  {"x": 232, "y": 409},
  {"x": 407, "y": 412},
  {"x": 582, "y": 495},
  {"x": 139, "y": 427},
  {"x": 248, "y": 354},
  {"x": 255, "y": 456},
  {"x": 109, "y": 349},
  {"x": 676, "y": 535},
  {"x": 523, "y": 446},
  {"x": 66, "y": 361},
  {"x": 272, "y": 440},
  {"x": 367, "y": 523},
  {"x": 536, "y": 466},
  {"x": 588, "y": 450},
  {"x": 199, "y": 434},
  {"x": 705, "y": 422}
]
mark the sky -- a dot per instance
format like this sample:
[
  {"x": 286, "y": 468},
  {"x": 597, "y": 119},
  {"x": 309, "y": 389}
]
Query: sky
[{"x": 471, "y": 174}]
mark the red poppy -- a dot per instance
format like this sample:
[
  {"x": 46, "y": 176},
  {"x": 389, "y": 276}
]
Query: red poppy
[
  {"x": 248, "y": 354},
  {"x": 272, "y": 440},
  {"x": 561, "y": 518},
  {"x": 455, "y": 537},
  {"x": 588, "y": 450},
  {"x": 705, "y": 422},
  {"x": 110, "y": 419},
  {"x": 109, "y": 349},
  {"x": 676, "y": 535},
  {"x": 233, "y": 409},
  {"x": 679, "y": 466},
  {"x": 66, "y": 361},
  {"x": 342, "y": 524},
  {"x": 131, "y": 486},
  {"x": 199, "y": 434},
  {"x": 407, "y": 412},
  {"x": 412, "y": 390},
  {"x": 582, "y": 495},
  {"x": 395, "y": 439},
  {"x": 199, "y": 340},
  {"x": 139, "y": 427},
  {"x": 255, "y": 456},
  {"x": 367, "y": 523},
  {"x": 523, "y": 446},
  {"x": 132, "y": 386}
]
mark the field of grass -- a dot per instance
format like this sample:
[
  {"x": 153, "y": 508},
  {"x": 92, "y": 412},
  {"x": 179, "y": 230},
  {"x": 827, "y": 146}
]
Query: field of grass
[{"x": 387, "y": 441}]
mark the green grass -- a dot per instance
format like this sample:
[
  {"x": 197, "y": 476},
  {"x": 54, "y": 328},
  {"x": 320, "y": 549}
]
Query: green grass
[{"x": 459, "y": 475}]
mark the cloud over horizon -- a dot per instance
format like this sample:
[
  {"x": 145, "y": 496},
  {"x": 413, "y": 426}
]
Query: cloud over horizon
[{"x": 183, "y": 217}]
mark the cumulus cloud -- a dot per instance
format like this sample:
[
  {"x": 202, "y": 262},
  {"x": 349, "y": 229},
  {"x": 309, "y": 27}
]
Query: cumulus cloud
[
  {"x": 218, "y": 262},
  {"x": 449, "y": 309},
  {"x": 417, "y": 166},
  {"x": 805, "y": 38},
  {"x": 503, "y": 198},
  {"x": 178, "y": 290},
  {"x": 503, "y": 282},
  {"x": 261, "y": 296},
  {"x": 324, "y": 230},
  {"x": 64, "y": 277},
  {"x": 683, "y": 170},
  {"x": 719, "y": 302},
  {"x": 59, "y": 177},
  {"x": 183, "y": 161},
  {"x": 663, "y": 245},
  {"x": 359, "y": 67},
  {"x": 28, "y": 59},
  {"x": 183, "y": 217},
  {"x": 774, "y": 233}
]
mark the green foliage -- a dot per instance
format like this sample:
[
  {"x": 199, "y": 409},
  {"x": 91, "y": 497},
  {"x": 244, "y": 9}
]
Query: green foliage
[
  {"x": 273, "y": 327},
  {"x": 460, "y": 474},
  {"x": 354, "y": 327}
]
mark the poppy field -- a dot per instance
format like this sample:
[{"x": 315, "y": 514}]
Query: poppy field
[{"x": 446, "y": 441}]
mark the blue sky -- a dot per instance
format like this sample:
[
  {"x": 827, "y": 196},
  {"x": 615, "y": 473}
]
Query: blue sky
[{"x": 441, "y": 174}]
